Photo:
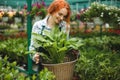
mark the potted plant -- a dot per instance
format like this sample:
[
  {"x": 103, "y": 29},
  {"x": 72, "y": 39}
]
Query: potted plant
[
  {"x": 5, "y": 17},
  {"x": 57, "y": 56},
  {"x": 39, "y": 10},
  {"x": 45, "y": 74},
  {"x": 18, "y": 17}
]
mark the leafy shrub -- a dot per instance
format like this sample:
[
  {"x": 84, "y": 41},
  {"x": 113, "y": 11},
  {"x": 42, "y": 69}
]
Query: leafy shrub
[
  {"x": 99, "y": 59},
  {"x": 98, "y": 65},
  {"x": 8, "y": 70},
  {"x": 46, "y": 75},
  {"x": 16, "y": 47}
]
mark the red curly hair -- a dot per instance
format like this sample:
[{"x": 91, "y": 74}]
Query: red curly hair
[{"x": 56, "y": 5}]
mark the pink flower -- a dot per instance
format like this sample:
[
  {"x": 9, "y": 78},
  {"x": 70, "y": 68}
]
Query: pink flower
[{"x": 43, "y": 3}]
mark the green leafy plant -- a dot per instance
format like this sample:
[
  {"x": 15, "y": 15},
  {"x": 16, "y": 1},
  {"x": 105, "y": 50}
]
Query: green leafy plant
[
  {"x": 4, "y": 26},
  {"x": 16, "y": 47},
  {"x": 46, "y": 75},
  {"x": 56, "y": 44},
  {"x": 8, "y": 70},
  {"x": 99, "y": 59}
]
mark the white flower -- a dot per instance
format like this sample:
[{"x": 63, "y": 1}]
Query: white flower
[
  {"x": 102, "y": 14},
  {"x": 118, "y": 19}
]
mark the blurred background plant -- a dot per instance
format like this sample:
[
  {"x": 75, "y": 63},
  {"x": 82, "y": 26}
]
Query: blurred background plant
[
  {"x": 38, "y": 9},
  {"x": 108, "y": 14}
]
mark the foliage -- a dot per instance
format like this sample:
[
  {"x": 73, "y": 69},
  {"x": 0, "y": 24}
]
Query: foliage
[
  {"x": 46, "y": 75},
  {"x": 20, "y": 15},
  {"x": 16, "y": 47},
  {"x": 75, "y": 16},
  {"x": 99, "y": 59},
  {"x": 5, "y": 14},
  {"x": 4, "y": 26},
  {"x": 38, "y": 9},
  {"x": 98, "y": 66},
  {"x": 109, "y": 14},
  {"x": 8, "y": 70},
  {"x": 56, "y": 44}
]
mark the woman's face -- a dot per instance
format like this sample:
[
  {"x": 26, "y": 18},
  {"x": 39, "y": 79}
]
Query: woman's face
[{"x": 60, "y": 15}]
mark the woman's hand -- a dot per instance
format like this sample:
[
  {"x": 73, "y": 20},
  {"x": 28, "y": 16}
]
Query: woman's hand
[{"x": 36, "y": 58}]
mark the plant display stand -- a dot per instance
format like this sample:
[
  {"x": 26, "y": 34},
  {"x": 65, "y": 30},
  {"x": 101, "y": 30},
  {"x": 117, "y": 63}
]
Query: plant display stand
[{"x": 62, "y": 71}]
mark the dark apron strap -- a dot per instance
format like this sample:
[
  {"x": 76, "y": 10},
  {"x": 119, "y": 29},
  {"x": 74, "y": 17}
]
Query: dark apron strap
[{"x": 41, "y": 49}]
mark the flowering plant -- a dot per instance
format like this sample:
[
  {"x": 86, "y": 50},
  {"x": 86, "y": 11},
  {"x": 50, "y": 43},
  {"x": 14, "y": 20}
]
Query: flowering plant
[
  {"x": 5, "y": 14},
  {"x": 19, "y": 17},
  {"x": 18, "y": 14},
  {"x": 75, "y": 16},
  {"x": 38, "y": 9},
  {"x": 109, "y": 14}
]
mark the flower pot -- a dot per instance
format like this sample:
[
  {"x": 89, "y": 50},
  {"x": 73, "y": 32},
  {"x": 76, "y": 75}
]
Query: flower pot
[
  {"x": 4, "y": 19},
  {"x": 62, "y": 71},
  {"x": 97, "y": 21},
  {"x": 17, "y": 20}
]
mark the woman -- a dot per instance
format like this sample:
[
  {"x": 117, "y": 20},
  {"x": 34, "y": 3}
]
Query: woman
[{"x": 58, "y": 14}]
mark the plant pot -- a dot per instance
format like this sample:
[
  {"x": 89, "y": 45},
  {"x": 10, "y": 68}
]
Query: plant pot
[
  {"x": 62, "y": 71},
  {"x": 97, "y": 21},
  {"x": 4, "y": 19},
  {"x": 17, "y": 20}
]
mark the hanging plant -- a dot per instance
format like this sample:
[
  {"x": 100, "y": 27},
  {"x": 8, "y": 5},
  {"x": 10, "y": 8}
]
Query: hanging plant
[
  {"x": 108, "y": 14},
  {"x": 38, "y": 9},
  {"x": 5, "y": 17},
  {"x": 18, "y": 17},
  {"x": 5, "y": 14}
]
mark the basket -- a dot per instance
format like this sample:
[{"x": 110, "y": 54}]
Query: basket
[{"x": 62, "y": 71}]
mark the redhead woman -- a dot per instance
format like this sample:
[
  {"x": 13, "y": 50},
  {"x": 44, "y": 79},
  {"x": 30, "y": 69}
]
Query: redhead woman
[{"x": 58, "y": 14}]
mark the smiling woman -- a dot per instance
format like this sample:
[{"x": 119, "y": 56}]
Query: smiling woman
[{"x": 56, "y": 20}]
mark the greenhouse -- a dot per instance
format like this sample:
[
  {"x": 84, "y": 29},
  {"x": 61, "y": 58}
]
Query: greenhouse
[{"x": 59, "y": 39}]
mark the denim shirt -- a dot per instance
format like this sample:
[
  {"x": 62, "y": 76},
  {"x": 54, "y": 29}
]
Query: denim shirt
[{"x": 38, "y": 27}]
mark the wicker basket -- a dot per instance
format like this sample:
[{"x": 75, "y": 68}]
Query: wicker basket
[{"x": 62, "y": 71}]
